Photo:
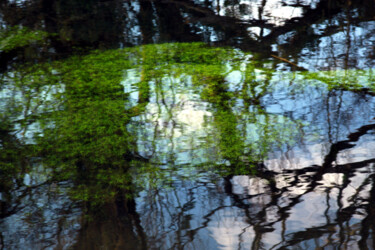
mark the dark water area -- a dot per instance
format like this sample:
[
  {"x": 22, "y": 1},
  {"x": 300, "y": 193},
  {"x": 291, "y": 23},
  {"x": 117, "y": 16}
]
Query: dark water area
[{"x": 187, "y": 124}]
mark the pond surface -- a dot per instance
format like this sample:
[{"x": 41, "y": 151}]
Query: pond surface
[{"x": 187, "y": 124}]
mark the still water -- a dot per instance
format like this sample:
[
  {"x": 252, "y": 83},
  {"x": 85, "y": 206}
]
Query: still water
[{"x": 260, "y": 136}]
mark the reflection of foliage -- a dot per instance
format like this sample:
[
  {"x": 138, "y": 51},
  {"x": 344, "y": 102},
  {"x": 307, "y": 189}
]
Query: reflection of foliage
[
  {"x": 18, "y": 37},
  {"x": 84, "y": 114},
  {"x": 11, "y": 155},
  {"x": 352, "y": 80},
  {"x": 349, "y": 80}
]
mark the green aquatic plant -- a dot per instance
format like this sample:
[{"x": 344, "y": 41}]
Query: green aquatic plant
[
  {"x": 18, "y": 36},
  {"x": 109, "y": 119},
  {"x": 355, "y": 80},
  {"x": 350, "y": 80}
]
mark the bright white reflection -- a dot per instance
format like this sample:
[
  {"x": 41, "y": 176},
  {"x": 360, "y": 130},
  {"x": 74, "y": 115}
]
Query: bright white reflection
[
  {"x": 18, "y": 2},
  {"x": 227, "y": 226},
  {"x": 243, "y": 184},
  {"x": 175, "y": 120},
  {"x": 332, "y": 179},
  {"x": 273, "y": 10}
]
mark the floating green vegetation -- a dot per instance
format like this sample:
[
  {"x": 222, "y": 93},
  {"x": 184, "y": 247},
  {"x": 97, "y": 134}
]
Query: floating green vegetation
[
  {"x": 92, "y": 118},
  {"x": 18, "y": 36},
  {"x": 350, "y": 80}
]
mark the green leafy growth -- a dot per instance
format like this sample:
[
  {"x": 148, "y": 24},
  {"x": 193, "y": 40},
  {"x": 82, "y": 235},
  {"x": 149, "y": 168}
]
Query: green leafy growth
[
  {"x": 349, "y": 80},
  {"x": 85, "y": 116},
  {"x": 18, "y": 36}
]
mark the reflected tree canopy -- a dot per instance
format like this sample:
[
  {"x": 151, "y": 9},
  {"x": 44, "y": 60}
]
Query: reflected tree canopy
[
  {"x": 113, "y": 122},
  {"x": 77, "y": 115}
]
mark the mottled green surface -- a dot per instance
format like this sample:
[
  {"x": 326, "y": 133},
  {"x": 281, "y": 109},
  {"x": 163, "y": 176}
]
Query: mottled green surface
[
  {"x": 84, "y": 125},
  {"x": 19, "y": 36}
]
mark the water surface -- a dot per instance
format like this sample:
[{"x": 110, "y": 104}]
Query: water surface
[{"x": 260, "y": 136}]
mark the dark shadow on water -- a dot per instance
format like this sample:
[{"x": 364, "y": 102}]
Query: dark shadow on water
[{"x": 115, "y": 225}]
